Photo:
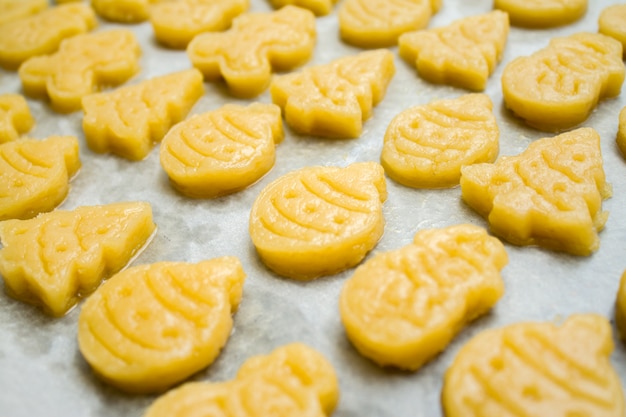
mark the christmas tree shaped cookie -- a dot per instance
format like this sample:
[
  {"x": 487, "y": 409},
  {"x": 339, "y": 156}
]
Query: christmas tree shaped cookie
[
  {"x": 319, "y": 220},
  {"x": 15, "y": 117},
  {"x": 318, "y": 7},
  {"x": 333, "y": 100},
  {"x": 152, "y": 326},
  {"x": 542, "y": 13},
  {"x": 550, "y": 195},
  {"x": 129, "y": 120},
  {"x": 57, "y": 257}
]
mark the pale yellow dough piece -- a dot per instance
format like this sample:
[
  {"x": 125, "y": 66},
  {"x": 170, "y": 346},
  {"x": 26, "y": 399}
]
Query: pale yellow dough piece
[
  {"x": 222, "y": 151},
  {"x": 35, "y": 175},
  {"x": 56, "y": 258},
  {"x": 621, "y": 132},
  {"x": 558, "y": 87},
  {"x": 549, "y": 195},
  {"x": 318, "y": 7},
  {"x": 319, "y": 220},
  {"x": 379, "y": 23},
  {"x": 42, "y": 33},
  {"x": 292, "y": 381},
  {"x": 152, "y": 326},
  {"x": 402, "y": 307},
  {"x": 128, "y": 121},
  {"x": 334, "y": 100},
  {"x": 256, "y": 45},
  {"x": 620, "y": 308},
  {"x": 536, "y": 369},
  {"x": 612, "y": 22},
  {"x": 124, "y": 11},
  {"x": 12, "y": 10},
  {"x": 463, "y": 54},
  {"x": 81, "y": 66},
  {"x": 426, "y": 146},
  {"x": 542, "y": 13},
  {"x": 176, "y": 23},
  {"x": 15, "y": 117}
]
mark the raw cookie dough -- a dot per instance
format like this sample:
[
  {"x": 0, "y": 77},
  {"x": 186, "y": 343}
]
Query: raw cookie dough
[{"x": 15, "y": 117}]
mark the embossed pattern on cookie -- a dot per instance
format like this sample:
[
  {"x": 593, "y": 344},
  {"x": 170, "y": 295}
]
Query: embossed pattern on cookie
[
  {"x": 15, "y": 117},
  {"x": 11, "y": 10},
  {"x": 542, "y": 13}
]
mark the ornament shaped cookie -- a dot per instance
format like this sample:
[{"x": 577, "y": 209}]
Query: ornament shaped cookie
[
  {"x": 334, "y": 100},
  {"x": 536, "y": 369},
  {"x": 257, "y": 44},
  {"x": 12, "y": 10},
  {"x": 124, "y": 11},
  {"x": 56, "y": 258},
  {"x": 612, "y": 22},
  {"x": 318, "y": 7},
  {"x": 128, "y": 121},
  {"x": 621, "y": 132},
  {"x": 426, "y": 146},
  {"x": 379, "y": 23},
  {"x": 542, "y": 13},
  {"x": 81, "y": 66},
  {"x": 292, "y": 381},
  {"x": 222, "y": 151},
  {"x": 402, "y": 307},
  {"x": 35, "y": 175},
  {"x": 558, "y": 87},
  {"x": 463, "y": 54},
  {"x": 15, "y": 117},
  {"x": 319, "y": 220},
  {"x": 176, "y": 23},
  {"x": 151, "y": 326},
  {"x": 549, "y": 195},
  {"x": 42, "y": 33}
]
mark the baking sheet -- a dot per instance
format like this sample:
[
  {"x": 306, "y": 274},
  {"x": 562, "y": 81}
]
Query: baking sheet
[{"x": 43, "y": 373}]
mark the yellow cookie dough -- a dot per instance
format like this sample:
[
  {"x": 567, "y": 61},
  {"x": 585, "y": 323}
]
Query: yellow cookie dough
[
  {"x": 56, "y": 258},
  {"x": 318, "y": 7},
  {"x": 257, "y": 44},
  {"x": 81, "y": 66},
  {"x": 549, "y": 195},
  {"x": 176, "y": 23},
  {"x": 15, "y": 117},
  {"x": 152, "y": 326},
  {"x": 379, "y": 23},
  {"x": 42, "y": 33},
  {"x": 558, "y": 87},
  {"x": 536, "y": 369},
  {"x": 426, "y": 146},
  {"x": 612, "y": 22},
  {"x": 621, "y": 132},
  {"x": 333, "y": 100},
  {"x": 542, "y": 13},
  {"x": 463, "y": 54},
  {"x": 319, "y": 220},
  {"x": 12, "y": 10},
  {"x": 222, "y": 151},
  {"x": 124, "y": 11},
  {"x": 35, "y": 175},
  {"x": 620, "y": 308},
  {"x": 402, "y": 307},
  {"x": 292, "y": 381},
  {"x": 128, "y": 121}
]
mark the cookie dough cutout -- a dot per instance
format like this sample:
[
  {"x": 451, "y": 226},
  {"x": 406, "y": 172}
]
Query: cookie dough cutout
[
  {"x": 621, "y": 132},
  {"x": 402, "y": 307},
  {"x": 542, "y": 13},
  {"x": 426, "y": 146},
  {"x": 319, "y": 220},
  {"x": 222, "y": 151},
  {"x": 42, "y": 33},
  {"x": 82, "y": 65},
  {"x": 379, "y": 23},
  {"x": 152, "y": 326},
  {"x": 558, "y": 87},
  {"x": 58, "y": 257},
  {"x": 292, "y": 381},
  {"x": 35, "y": 175},
  {"x": 536, "y": 369},
  {"x": 612, "y": 22},
  {"x": 128, "y": 121},
  {"x": 549, "y": 195},
  {"x": 15, "y": 117},
  {"x": 257, "y": 44},
  {"x": 12, "y": 10},
  {"x": 176, "y": 23},
  {"x": 463, "y": 54},
  {"x": 318, "y": 7},
  {"x": 124, "y": 11},
  {"x": 334, "y": 100}
]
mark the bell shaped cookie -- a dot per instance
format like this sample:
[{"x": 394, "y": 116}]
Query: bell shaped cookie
[
  {"x": 319, "y": 220},
  {"x": 55, "y": 258},
  {"x": 152, "y": 326},
  {"x": 318, "y": 7},
  {"x": 292, "y": 381},
  {"x": 549, "y": 195},
  {"x": 12, "y": 10},
  {"x": 15, "y": 117},
  {"x": 542, "y": 13}
]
